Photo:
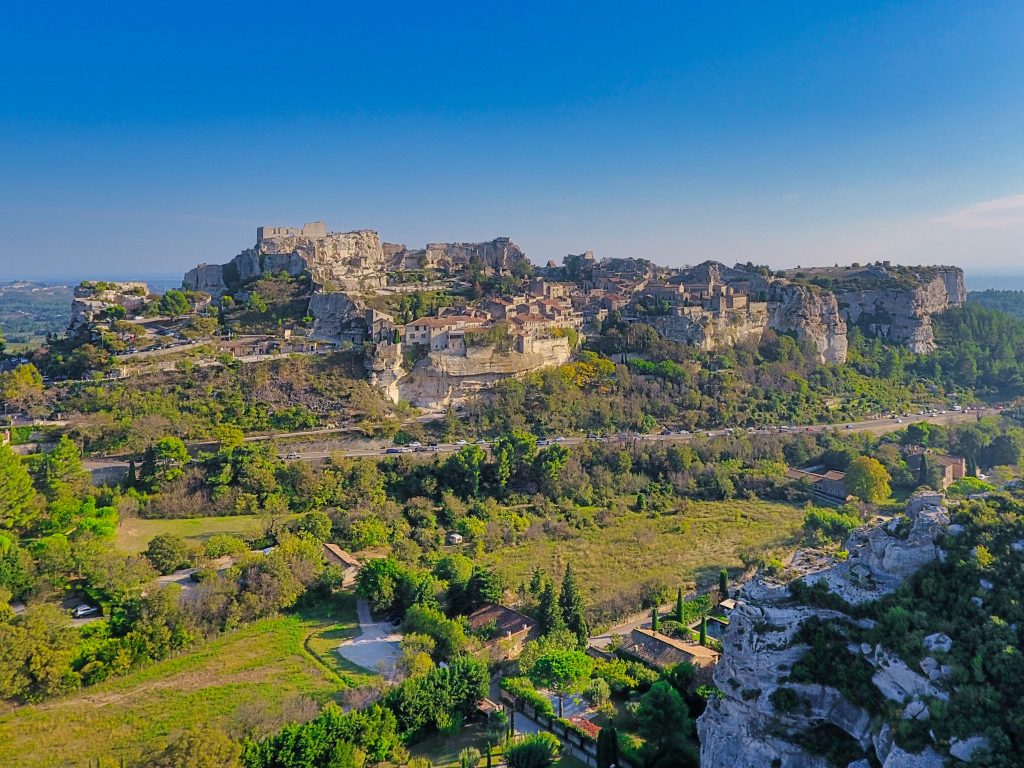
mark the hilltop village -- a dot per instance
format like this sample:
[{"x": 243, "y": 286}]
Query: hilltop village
[
  {"x": 619, "y": 513},
  {"x": 449, "y": 320}
]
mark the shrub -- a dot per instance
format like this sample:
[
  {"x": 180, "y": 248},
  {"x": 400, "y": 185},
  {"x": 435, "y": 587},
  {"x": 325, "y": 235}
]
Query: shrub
[
  {"x": 522, "y": 688},
  {"x": 538, "y": 750}
]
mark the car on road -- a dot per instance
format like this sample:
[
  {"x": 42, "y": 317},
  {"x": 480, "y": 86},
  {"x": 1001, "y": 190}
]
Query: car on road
[
  {"x": 393, "y": 450},
  {"x": 83, "y": 610},
  {"x": 293, "y": 456},
  {"x": 461, "y": 442},
  {"x": 415, "y": 444}
]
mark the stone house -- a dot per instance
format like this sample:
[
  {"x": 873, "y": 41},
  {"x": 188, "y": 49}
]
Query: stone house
[
  {"x": 830, "y": 484},
  {"x": 335, "y": 555},
  {"x": 434, "y": 332},
  {"x": 951, "y": 468},
  {"x": 509, "y": 629},
  {"x": 662, "y": 652}
]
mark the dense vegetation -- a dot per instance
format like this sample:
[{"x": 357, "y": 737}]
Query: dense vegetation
[{"x": 1010, "y": 302}]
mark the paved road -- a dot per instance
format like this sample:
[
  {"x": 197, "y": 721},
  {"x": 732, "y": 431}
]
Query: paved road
[{"x": 309, "y": 453}]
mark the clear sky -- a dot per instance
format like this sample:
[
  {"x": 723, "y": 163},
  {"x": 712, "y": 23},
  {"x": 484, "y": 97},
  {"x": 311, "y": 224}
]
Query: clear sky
[{"x": 144, "y": 137}]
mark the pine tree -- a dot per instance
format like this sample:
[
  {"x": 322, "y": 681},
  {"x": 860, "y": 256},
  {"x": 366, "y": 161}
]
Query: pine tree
[
  {"x": 570, "y": 600},
  {"x": 654, "y": 619},
  {"x": 130, "y": 480},
  {"x": 703, "y": 630},
  {"x": 679, "y": 605},
  {"x": 549, "y": 616},
  {"x": 723, "y": 584}
]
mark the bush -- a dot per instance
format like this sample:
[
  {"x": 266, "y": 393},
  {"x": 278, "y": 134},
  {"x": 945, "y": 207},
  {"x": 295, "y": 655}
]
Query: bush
[
  {"x": 522, "y": 688},
  {"x": 168, "y": 553},
  {"x": 538, "y": 750}
]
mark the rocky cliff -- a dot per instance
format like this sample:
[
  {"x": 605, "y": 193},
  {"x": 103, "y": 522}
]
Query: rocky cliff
[
  {"x": 710, "y": 330},
  {"x": 812, "y": 315},
  {"x": 894, "y": 303},
  {"x": 901, "y": 311},
  {"x": 765, "y": 719},
  {"x": 448, "y": 376},
  {"x": 347, "y": 261}
]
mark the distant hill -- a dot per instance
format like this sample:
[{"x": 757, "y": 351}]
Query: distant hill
[
  {"x": 1010, "y": 302},
  {"x": 28, "y": 311}
]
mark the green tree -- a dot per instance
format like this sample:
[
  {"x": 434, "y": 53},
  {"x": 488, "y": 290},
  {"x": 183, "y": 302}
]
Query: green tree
[
  {"x": 703, "y": 630},
  {"x": 868, "y": 480},
  {"x": 562, "y": 671},
  {"x": 494, "y": 732},
  {"x": 570, "y": 600},
  {"x": 548, "y": 466},
  {"x": 378, "y": 582},
  {"x": 549, "y": 615},
  {"x": 513, "y": 452},
  {"x": 663, "y": 721},
  {"x": 485, "y": 585},
  {"x": 22, "y": 388},
  {"x": 61, "y": 473},
  {"x": 168, "y": 552},
  {"x": 17, "y": 495},
  {"x": 679, "y": 606},
  {"x": 200, "y": 748},
  {"x": 465, "y": 468},
  {"x": 317, "y": 524},
  {"x": 163, "y": 461},
  {"x": 654, "y": 619},
  {"x": 723, "y": 584},
  {"x": 174, "y": 304},
  {"x": 36, "y": 651}
]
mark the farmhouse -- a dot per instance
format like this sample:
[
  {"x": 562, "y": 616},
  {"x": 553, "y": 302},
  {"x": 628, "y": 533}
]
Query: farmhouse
[
  {"x": 508, "y": 629},
  {"x": 830, "y": 484},
  {"x": 662, "y": 652}
]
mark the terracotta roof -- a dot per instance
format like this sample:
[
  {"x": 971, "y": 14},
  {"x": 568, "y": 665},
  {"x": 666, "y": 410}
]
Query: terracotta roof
[
  {"x": 342, "y": 555},
  {"x": 662, "y": 652},
  {"x": 505, "y": 619}
]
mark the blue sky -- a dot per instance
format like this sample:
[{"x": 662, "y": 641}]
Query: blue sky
[{"x": 142, "y": 138}]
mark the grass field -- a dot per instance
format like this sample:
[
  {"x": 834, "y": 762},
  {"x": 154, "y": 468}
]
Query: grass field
[
  {"x": 251, "y": 676},
  {"x": 693, "y": 543},
  {"x": 134, "y": 533}
]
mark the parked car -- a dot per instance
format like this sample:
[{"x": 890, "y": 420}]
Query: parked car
[{"x": 83, "y": 610}]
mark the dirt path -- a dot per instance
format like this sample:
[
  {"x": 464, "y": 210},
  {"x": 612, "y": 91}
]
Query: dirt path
[{"x": 377, "y": 647}]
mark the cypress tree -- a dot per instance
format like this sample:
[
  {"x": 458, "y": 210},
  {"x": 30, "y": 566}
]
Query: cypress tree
[
  {"x": 608, "y": 748},
  {"x": 548, "y": 615},
  {"x": 654, "y": 618},
  {"x": 723, "y": 584},
  {"x": 570, "y": 600},
  {"x": 130, "y": 480},
  {"x": 703, "y": 630},
  {"x": 922, "y": 472},
  {"x": 537, "y": 582},
  {"x": 679, "y": 605}
]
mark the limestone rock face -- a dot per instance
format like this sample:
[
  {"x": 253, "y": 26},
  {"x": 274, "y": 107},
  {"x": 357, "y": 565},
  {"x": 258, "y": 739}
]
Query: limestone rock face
[
  {"x": 902, "y": 313},
  {"x": 90, "y": 300},
  {"x": 346, "y": 261},
  {"x": 813, "y": 316},
  {"x": 709, "y": 330},
  {"x": 208, "y": 278},
  {"x": 743, "y": 729},
  {"x": 500, "y": 255},
  {"x": 333, "y": 313},
  {"x": 448, "y": 376}
]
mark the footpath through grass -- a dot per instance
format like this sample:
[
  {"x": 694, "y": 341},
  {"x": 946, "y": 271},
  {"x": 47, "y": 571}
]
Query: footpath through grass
[
  {"x": 247, "y": 678},
  {"x": 693, "y": 542}
]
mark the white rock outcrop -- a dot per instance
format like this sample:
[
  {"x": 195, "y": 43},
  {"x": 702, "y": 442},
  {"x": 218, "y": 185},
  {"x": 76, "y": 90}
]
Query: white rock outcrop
[{"x": 745, "y": 728}]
